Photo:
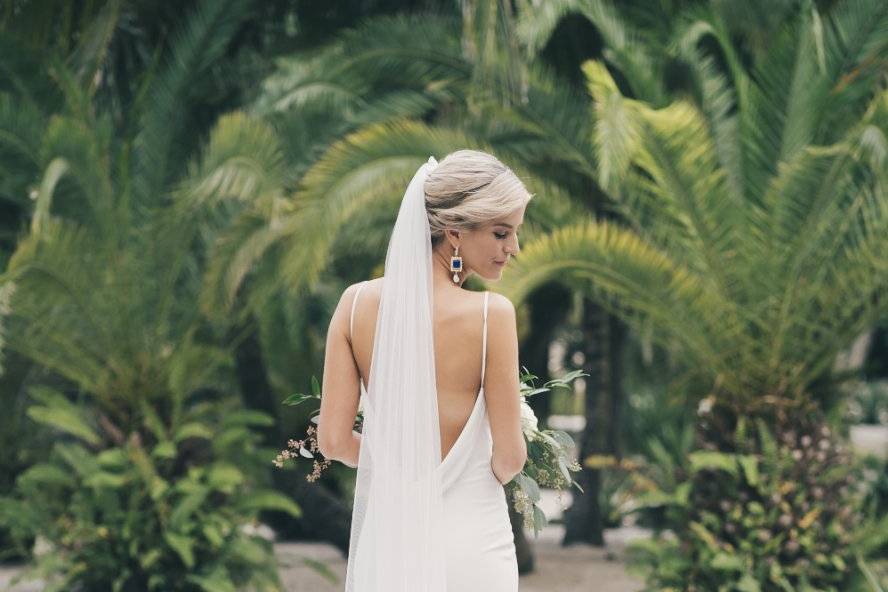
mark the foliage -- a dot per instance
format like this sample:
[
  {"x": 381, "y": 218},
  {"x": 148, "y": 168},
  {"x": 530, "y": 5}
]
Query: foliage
[
  {"x": 728, "y": 251},
  {"x": 779, "y": 512},
  {"x": 161, "y": 508},
  {"x": 160, "y": 466},
  {"x": 867, "y": 402},
  {"x": 549, "y": 455}
]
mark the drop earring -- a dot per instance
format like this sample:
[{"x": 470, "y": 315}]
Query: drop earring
[{"x": 456, "y": 265}]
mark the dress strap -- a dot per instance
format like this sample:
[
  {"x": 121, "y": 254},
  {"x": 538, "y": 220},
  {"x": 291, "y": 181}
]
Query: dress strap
[
  {"x": 484, "y": 340},
  {"x": 351, "y": 319}
]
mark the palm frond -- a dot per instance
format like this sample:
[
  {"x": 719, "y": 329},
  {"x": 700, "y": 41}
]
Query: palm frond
[
  {"x": 203, "y": 37},
  {"x": 624, "y": 46},
  {"x": 633, "y": 279},
  {"x": 372, "y": 164},
  {"x": 550, "y": 130},
  {"x": 84, "y": 147}
]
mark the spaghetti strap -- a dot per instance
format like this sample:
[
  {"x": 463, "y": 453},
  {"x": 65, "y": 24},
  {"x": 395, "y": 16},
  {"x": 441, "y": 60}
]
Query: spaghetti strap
[
  {"x": 351, "y": 319},
  {"x": 484, "y": 340}
]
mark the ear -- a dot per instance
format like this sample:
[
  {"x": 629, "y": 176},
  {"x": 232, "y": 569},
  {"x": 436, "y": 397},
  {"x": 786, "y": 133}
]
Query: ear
[{"x": 453, "y": 237}]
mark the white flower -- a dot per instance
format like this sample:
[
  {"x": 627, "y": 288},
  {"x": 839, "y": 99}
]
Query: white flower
[
  {"x": 528, "y": 419},
  {"x": 705, "y": 405}
]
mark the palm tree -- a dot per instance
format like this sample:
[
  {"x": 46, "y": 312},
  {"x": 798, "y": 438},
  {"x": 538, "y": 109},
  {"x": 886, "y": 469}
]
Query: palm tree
[
  {"x": 104, "y": 289},
  {"x": 734, "y": 251}
]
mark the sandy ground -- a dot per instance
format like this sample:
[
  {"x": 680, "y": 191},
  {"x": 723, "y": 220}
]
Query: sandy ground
[{"x": 558, "y": 569}]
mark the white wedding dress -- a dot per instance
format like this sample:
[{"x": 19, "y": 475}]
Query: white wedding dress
[{"x": 480, "y": 548}]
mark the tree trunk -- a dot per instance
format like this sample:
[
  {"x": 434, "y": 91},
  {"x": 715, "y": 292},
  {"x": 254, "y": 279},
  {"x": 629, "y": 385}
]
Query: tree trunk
[
  {"x": 583, "y": 520},
  {"x": 617, "y": 338},
  {"x": 549, "y": 306}
]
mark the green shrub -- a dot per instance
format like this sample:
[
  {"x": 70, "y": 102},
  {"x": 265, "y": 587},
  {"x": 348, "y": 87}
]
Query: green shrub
[
  {"x": 775, "y": 513},
  {"x": 160, "y": 508}
]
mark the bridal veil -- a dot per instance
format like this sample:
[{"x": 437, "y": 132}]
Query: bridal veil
[{"x": 396, "y": 542}]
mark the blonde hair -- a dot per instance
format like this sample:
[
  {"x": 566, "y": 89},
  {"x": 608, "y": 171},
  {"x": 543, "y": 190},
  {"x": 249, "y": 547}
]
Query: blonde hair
[{"x": 468, "y": 189}]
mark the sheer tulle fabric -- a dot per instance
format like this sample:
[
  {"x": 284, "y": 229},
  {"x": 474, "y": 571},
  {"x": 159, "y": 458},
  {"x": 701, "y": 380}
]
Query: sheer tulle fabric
[{"x": 396, "y": 540}]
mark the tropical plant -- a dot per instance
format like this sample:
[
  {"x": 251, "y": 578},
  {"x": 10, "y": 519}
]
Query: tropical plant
[
  {"x": 103, "y": 292},
  {"x": 731, "y": 253},
  {"x": 776, "y": 514},
  {"x": 165, "y": 507},
  {"x": 754, "y": 206},
  {"x": 867, "y": 402}
]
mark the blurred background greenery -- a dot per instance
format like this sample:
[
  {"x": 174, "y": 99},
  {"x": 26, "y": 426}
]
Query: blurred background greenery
[{"x": 186, "y": 188}]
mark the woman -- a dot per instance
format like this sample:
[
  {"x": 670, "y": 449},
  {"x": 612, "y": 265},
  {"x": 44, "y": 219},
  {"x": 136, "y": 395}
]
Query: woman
[{"x": 437, "y": 370}]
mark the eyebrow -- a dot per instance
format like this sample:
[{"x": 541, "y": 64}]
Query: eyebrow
[{"x": 505, "y": 224}]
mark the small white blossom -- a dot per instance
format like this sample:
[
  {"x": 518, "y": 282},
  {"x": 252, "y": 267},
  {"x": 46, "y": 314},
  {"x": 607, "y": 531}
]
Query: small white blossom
[{"x": 528, "y": 419}]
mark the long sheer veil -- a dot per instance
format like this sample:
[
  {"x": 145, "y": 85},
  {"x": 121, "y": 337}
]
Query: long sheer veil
[{"x": 396, "y": 533}]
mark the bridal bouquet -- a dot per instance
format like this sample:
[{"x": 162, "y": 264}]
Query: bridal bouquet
[
  {"x": 549, "y": 452},
  {"x": 549, "y": 456}
]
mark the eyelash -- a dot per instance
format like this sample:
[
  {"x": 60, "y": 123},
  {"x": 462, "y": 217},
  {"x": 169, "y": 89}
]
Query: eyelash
[{"x": 499, "y": 236}]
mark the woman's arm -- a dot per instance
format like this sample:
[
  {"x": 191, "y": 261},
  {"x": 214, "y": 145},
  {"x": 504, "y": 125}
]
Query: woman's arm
[
  {"x": 340, "y": 391},
  {"x": 502, "y": 389}
]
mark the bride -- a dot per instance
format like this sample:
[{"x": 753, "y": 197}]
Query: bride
[{"x": 434, "y": 368}]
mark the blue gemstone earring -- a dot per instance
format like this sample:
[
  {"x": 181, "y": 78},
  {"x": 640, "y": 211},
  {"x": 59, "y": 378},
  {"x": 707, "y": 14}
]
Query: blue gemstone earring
[{"x": 456, "y": 265}]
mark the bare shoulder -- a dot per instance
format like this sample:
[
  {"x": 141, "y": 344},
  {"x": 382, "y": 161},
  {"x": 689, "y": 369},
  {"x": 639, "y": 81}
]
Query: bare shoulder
[
  {"x": 501, "y": 321},
  {"x": 500, "y": 306},
  {"x": 369, "y": 286}
]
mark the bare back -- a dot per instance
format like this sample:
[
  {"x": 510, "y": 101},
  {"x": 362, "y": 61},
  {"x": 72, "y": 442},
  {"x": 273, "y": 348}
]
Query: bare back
[{"x": 458, "y": 328}]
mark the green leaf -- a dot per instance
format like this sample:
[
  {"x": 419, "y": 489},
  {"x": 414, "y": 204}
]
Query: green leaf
[
  {"x": 65, "y": 419},
  {"x": 528, "y": 486},
  {"x": 539, "y": 519},
  {"x": 224, "y": 477},
  {"x": 164, "y": 449},
  {"x": 158, "y": 487},
  {"x": 297, "y": 399},
  {"x": 748, "y": 584},
  {"x": 213, "y": 535},
  {"x": 152, "y": 421},
  {"x": 703, "y": 534},
  {"x": 45, "y": 474},
  {"x": 250, "y": 550},
  {"x": 247, "y": 417},
  {"x": 106, "y": 480},
  {"x": 79, "y": 459},
  {"x": 683, "y": 493},
  {"x": 562, "y": 438},
  {"x": 150, "y": 558},
  {"x": 564, "y": 470},
  {"x": 708, "y": 459},
  {"x": 750, "y": 468},
  {"x": 115, "y": 458},
  {"x": 186, "y": 507},
  {"x": 726, "y": 562},
  {"x": 193, "y": 430},
  {"x": 271, "y": 500},
  {"x": 182, "y": 545},
  {"x": 218, "y": 581},
  {"x": 231, "y": 437}
]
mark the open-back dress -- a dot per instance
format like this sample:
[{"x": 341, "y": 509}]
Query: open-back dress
[{"x": 478, "y": 536}]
